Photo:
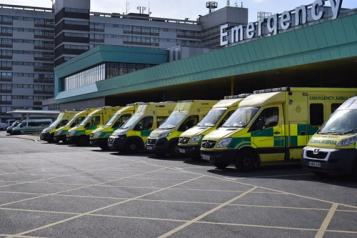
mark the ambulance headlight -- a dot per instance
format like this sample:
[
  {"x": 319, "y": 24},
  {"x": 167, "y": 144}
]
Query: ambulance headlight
[
  {"x": 196, "y": 139},
  {"x": 347, "y": 141},
  {"x": 224, "y": 143}
]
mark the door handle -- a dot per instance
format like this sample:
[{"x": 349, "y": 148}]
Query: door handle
[{"x": 277, "y": 133}]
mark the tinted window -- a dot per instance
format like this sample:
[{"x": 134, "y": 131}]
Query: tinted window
[
  {"x": 160, "y": 120},
  {"x": 121, "y": 120},
  {"x": 316, "y": 114},
  {"x": 334, "y": 107},
  {"x": 191, "y": 121},
  {"x": 267, "y": 119},
  {"x": 62, "y": 123},
  {"x": 145, "y": 124}
]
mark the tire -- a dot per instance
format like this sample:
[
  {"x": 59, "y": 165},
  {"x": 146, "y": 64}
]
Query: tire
[
  {"x": 104, "y": 147},
  {"x": 82, "y": 141},
  {"x": 247, "y": 161},
  {"x": 134, "y": 146},
  {"x": 174, "y": 150},
  {"x": 221, "y": 165}
]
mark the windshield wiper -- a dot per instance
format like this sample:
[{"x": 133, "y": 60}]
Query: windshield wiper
[{"x": 350, "y": 131}]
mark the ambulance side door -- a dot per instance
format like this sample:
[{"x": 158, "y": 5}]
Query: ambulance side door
[{"x": 267, "y": 134}]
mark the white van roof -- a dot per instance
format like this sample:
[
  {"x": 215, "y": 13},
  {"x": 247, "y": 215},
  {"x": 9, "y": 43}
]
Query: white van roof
[{"x": 349, "y": 104}]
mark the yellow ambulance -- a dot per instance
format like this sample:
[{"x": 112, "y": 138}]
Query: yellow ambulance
[
  {"x": 60, "y": 133},
  {"x": 79, "y": 135},
  {"x": 187, "y": 114},
  {"x": 271, "y": 126},
  {"x": 62, "y": 119},
  {"x": 333, "y": 149},
  {"x": 132, "y": 136},
  {"x": 190, "y": 141},
  {"x": 99, "y": 137}
]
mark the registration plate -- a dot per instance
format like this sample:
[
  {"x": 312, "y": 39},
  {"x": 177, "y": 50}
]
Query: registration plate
[
  {"x": 182, "y": 151},
  {"x": 315, "y": 164},
  {"x": 149, "y": 147}
]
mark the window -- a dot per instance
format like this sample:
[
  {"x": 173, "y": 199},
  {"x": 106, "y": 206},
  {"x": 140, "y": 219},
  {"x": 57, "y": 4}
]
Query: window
[
  {"x": 95, "y": 121},
  {"x": 121, "y": 121},
  {"x": 267, "y": 119},
  {"x": 188, "y": 123},
  {"x": 145, "y": 124},
  {"x": 62, "y": 123},
  {"x": 334, "y": 107},
  {"x": 160, "y": 120},
  {"x": 316, "y": 114}
]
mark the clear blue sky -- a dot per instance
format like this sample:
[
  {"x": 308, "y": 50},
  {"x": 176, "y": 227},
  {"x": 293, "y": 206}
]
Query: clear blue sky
[{"x": 184, "y": 8}]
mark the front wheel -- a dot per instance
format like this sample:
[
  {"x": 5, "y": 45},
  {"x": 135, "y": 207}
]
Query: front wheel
[
  {"x": 221, "y": 165},
  {"x": 104, "y": 147},
  {"x": 247, "y": 161}
]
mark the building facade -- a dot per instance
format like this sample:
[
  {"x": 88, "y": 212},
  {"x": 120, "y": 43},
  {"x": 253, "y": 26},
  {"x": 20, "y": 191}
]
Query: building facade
[
  {"x": 322, "y": 53},
  {"x": 34, "y": 40}
]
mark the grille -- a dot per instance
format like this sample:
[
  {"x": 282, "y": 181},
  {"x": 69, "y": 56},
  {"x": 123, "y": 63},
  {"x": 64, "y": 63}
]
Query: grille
[
  {"x": 319, "y": 155},
  {"x": 208, "y": 144},
  {"x": 184, "y": 140},
  {"x": 151, "y": 141}
]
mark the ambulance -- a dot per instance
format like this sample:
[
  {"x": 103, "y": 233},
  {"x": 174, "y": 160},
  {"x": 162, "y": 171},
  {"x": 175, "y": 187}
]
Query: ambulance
[
  {"x": 132, "y": 136},
  {"x": 190, "y": 141},
  {"x": 271, "y": 126},
  {"x": 187, "y": 114},
  {"x": 62, "y": 119},
  {"x": 79, "y": 135},
  {"x": 333, "y": 149},
  {"x": 99, "y": 137},
  {"x": 60, "y": 133}
]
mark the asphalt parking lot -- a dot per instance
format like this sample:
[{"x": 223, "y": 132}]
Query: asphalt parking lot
[{"x": 62, "y": 191}]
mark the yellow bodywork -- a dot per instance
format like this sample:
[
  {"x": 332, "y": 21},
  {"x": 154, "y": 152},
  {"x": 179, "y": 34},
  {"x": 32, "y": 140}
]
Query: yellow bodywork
[{"x": 295, "y": 118}]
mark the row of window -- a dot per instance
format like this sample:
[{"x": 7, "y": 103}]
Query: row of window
[
  {"x": 22, "y": 29},
  {"x": 155, "y": 30},
  {"x": 27, "y": 75},
  {"x": 22, "y": 63},
  {"x": 84, "y": 78},
  {"x": 5, "y": 18},
  {"x": 9, "y": 86},
  {"x": 4, "y": 52},
  {"x": 8, "y": 98}
]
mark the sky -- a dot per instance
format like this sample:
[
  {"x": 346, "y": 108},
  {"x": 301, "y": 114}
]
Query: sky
[{"x": 184, "y": 8}]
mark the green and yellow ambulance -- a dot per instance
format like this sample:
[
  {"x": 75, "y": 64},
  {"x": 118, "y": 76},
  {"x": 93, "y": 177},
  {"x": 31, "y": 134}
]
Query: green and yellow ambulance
[
  {"x": 79, "y": 135},
  {"x": 62, "y": 119},
  {"x": 190, "y": 141},
  {"x": 60, "y": 133},
  {"x": 187, "y": 114},
  {"x": 132, "y": 136},
  {"x": 99, "y": 137},
  {"x": 271, "y": 126},
  {"x": 333, "y": 149}
]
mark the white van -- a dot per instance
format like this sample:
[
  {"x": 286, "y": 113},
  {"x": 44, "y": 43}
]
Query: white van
[{"x": 31, "y": 126}]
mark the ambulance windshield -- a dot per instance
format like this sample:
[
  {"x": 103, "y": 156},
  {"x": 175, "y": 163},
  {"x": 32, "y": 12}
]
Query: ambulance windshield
[
  {"x": 212, "y": 117},
  {"x": 341, "y": 122},
  {"x": 174, "y": 120},
  {"x": 241, "y": 117}
]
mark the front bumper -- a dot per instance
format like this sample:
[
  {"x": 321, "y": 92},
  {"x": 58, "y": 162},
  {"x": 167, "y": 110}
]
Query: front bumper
[
  {"x": 157, "y": 146},
  {"x": 58, "y": 138},
  {"x": 72, "y": 139},
  {"x": 222, "y": 156},
  {"x": 46, "y": 136},
  {"x": 190, "y": 150},
  {"x": 117, "y": 143},
  {"x": 330, "y": 161},
  {"x": 99, "y": 142}
]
